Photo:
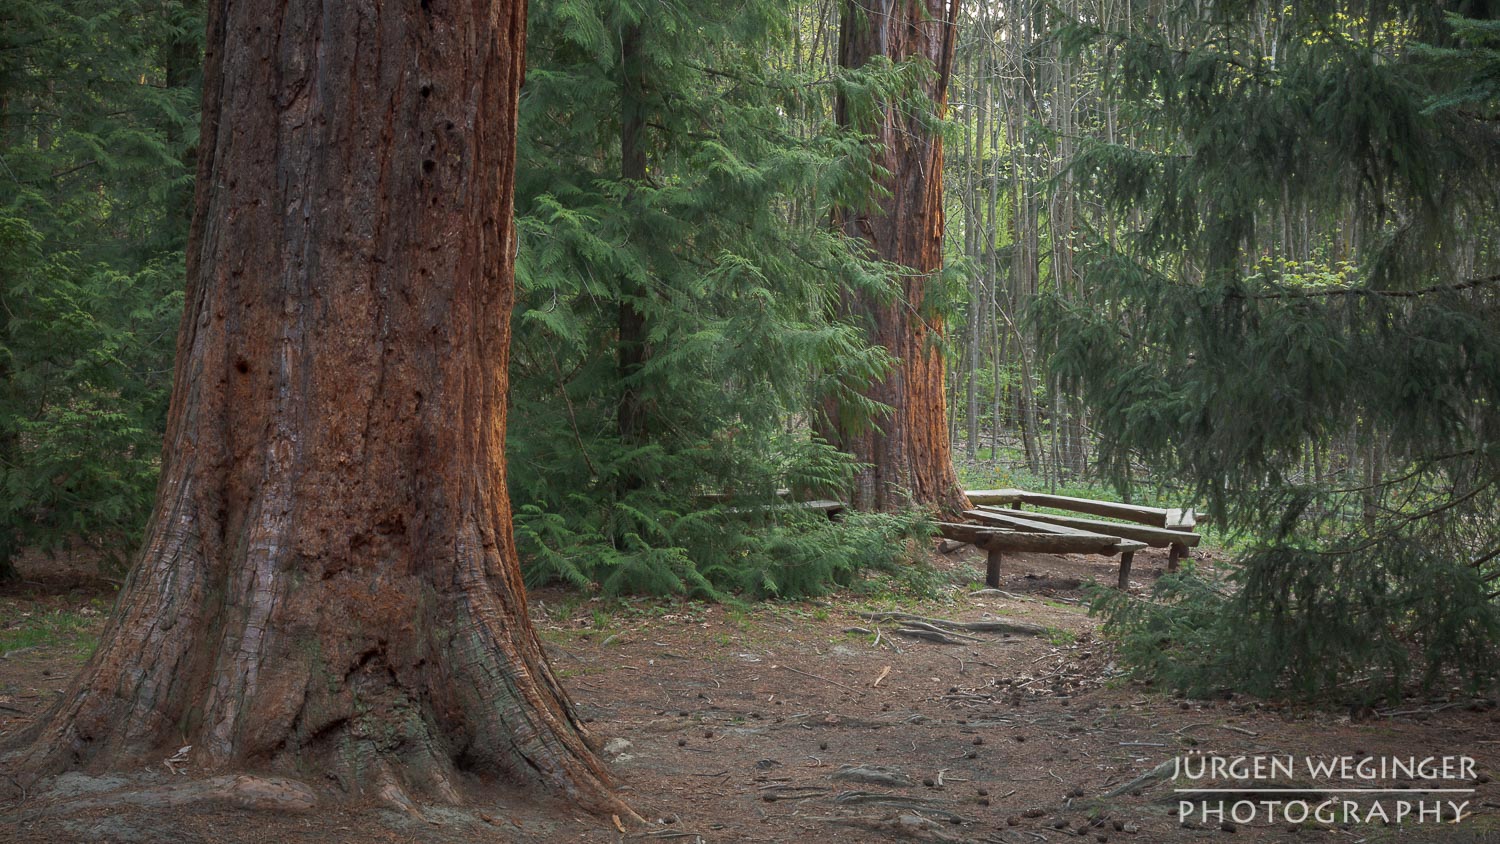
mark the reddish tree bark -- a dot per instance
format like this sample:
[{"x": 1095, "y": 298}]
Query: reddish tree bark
[
  {"x": 329, "y": 581},
  {"x": 908, "y": 454}
]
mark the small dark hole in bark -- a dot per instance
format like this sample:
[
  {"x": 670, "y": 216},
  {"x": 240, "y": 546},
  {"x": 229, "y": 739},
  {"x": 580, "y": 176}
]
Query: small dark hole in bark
[
  {"x": 428, "y": 165},
  {"x": 242, "y": 366},
  {"x": 426, "y": 90},
  {"x": 448, "y": 125}
]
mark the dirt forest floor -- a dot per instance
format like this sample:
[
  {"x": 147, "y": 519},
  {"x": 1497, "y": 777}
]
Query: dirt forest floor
[{"x": 810, "y": 721}]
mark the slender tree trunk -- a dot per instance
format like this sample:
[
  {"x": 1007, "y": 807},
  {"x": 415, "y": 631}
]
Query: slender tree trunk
[
  {"x": 10, "y": 445},
  {"x": 975, "y": 121},
  {"x": 329, "y": 582},
  {"x": 908, "y": 453},
  {"x": 9, "y": 441},
  {"x": 182, "y": 62},
  {"x": 10, "y": 544},
  {"x": 631, "y": 351}
]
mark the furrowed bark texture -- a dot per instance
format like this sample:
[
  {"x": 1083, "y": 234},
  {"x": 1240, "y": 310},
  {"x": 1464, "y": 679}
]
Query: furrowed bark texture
[
  {"x": 329, "y": 581},
  {"x": 908, "y": 452}
]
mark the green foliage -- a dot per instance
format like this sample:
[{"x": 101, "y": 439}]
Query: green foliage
[
  {"x": 721, "y": 251},
  {"x": 716, "y": 553},
  {"x": 28, "y": 625},
  {"x": 1223, "y": 347},
  {"x": 97, "y": 112},
  {"x": 1330, "y": 635}
]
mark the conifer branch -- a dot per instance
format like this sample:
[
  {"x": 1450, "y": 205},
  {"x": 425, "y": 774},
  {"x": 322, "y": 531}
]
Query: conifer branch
[
  {"x": 759, "y": 83},
  {"x": 1396, "y": 529},
  {"x": 1423, "y": 466},
  {"x": 1479, "y": 561},
  {"x": 1468, "y": 284}
]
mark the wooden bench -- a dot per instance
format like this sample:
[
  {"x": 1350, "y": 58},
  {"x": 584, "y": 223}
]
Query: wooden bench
[
  {"x": 1177, "y": 541},
  {"x": 1001, "y": 534},
  {"x": 834, "y": 510},
  {"x": 1178, "y": 521}
]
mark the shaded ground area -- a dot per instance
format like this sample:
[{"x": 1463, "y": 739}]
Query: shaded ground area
[{"x": 793, "y": 721}]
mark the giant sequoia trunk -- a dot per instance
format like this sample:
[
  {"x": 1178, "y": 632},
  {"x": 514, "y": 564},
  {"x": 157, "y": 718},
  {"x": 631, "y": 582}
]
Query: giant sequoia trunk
[
  {"x": 329, "y": 583},
  {"x": 908, "y": 454}
]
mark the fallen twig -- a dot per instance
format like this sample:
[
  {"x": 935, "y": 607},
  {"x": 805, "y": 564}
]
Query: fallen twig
[
  {"x": 1230, "y": 727},
  {"x": 815, "y": 677},
  {"x": 1241, "y": 730}
]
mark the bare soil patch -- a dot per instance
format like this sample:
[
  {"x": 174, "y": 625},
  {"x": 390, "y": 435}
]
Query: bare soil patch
[{"x": 795, "y": 721}]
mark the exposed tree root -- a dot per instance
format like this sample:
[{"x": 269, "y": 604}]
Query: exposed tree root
[
  {"x": 1162, "y": 771},
  {"x": 278, "y": 794},
  {"x": 873, "y": 774},
  {"x": 927, "y": 635},
  {"x": 927, "y": 808},
  {"x": 908, "y": 825},
  {"x": 996, "y": 625}
]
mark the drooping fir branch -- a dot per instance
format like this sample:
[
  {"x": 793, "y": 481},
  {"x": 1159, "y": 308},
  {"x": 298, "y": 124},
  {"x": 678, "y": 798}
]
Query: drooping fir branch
[
  {"x": 1269, "y": 328},
  {"x": 1457, "y": 287}
]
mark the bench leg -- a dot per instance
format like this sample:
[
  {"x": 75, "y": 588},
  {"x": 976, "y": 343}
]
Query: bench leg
[
  {"x": 992, "y": 568},
  {"x": 1015, "y": 505},
  {"x": 1176, "y": 553},
  {"x": 1125, "y": 560}
]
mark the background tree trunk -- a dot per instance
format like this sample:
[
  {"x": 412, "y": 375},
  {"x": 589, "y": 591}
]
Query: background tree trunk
[
  {"x": 909, "y": 455},
  {"x": 632, "y": 347},
  {"x": 329, "y": 581}
]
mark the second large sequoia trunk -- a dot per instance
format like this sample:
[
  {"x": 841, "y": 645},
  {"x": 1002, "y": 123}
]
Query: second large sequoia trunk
[{"x": 907, "y": 453}]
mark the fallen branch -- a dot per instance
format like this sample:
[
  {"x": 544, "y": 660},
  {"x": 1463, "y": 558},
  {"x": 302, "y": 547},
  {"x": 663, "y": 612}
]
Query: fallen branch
[
  {"x": 1231, "y": 728},
  {"x": 998, "y": 593},
  {"x": 815, "y": 677},
  {"x": 772, "y": 793}
]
